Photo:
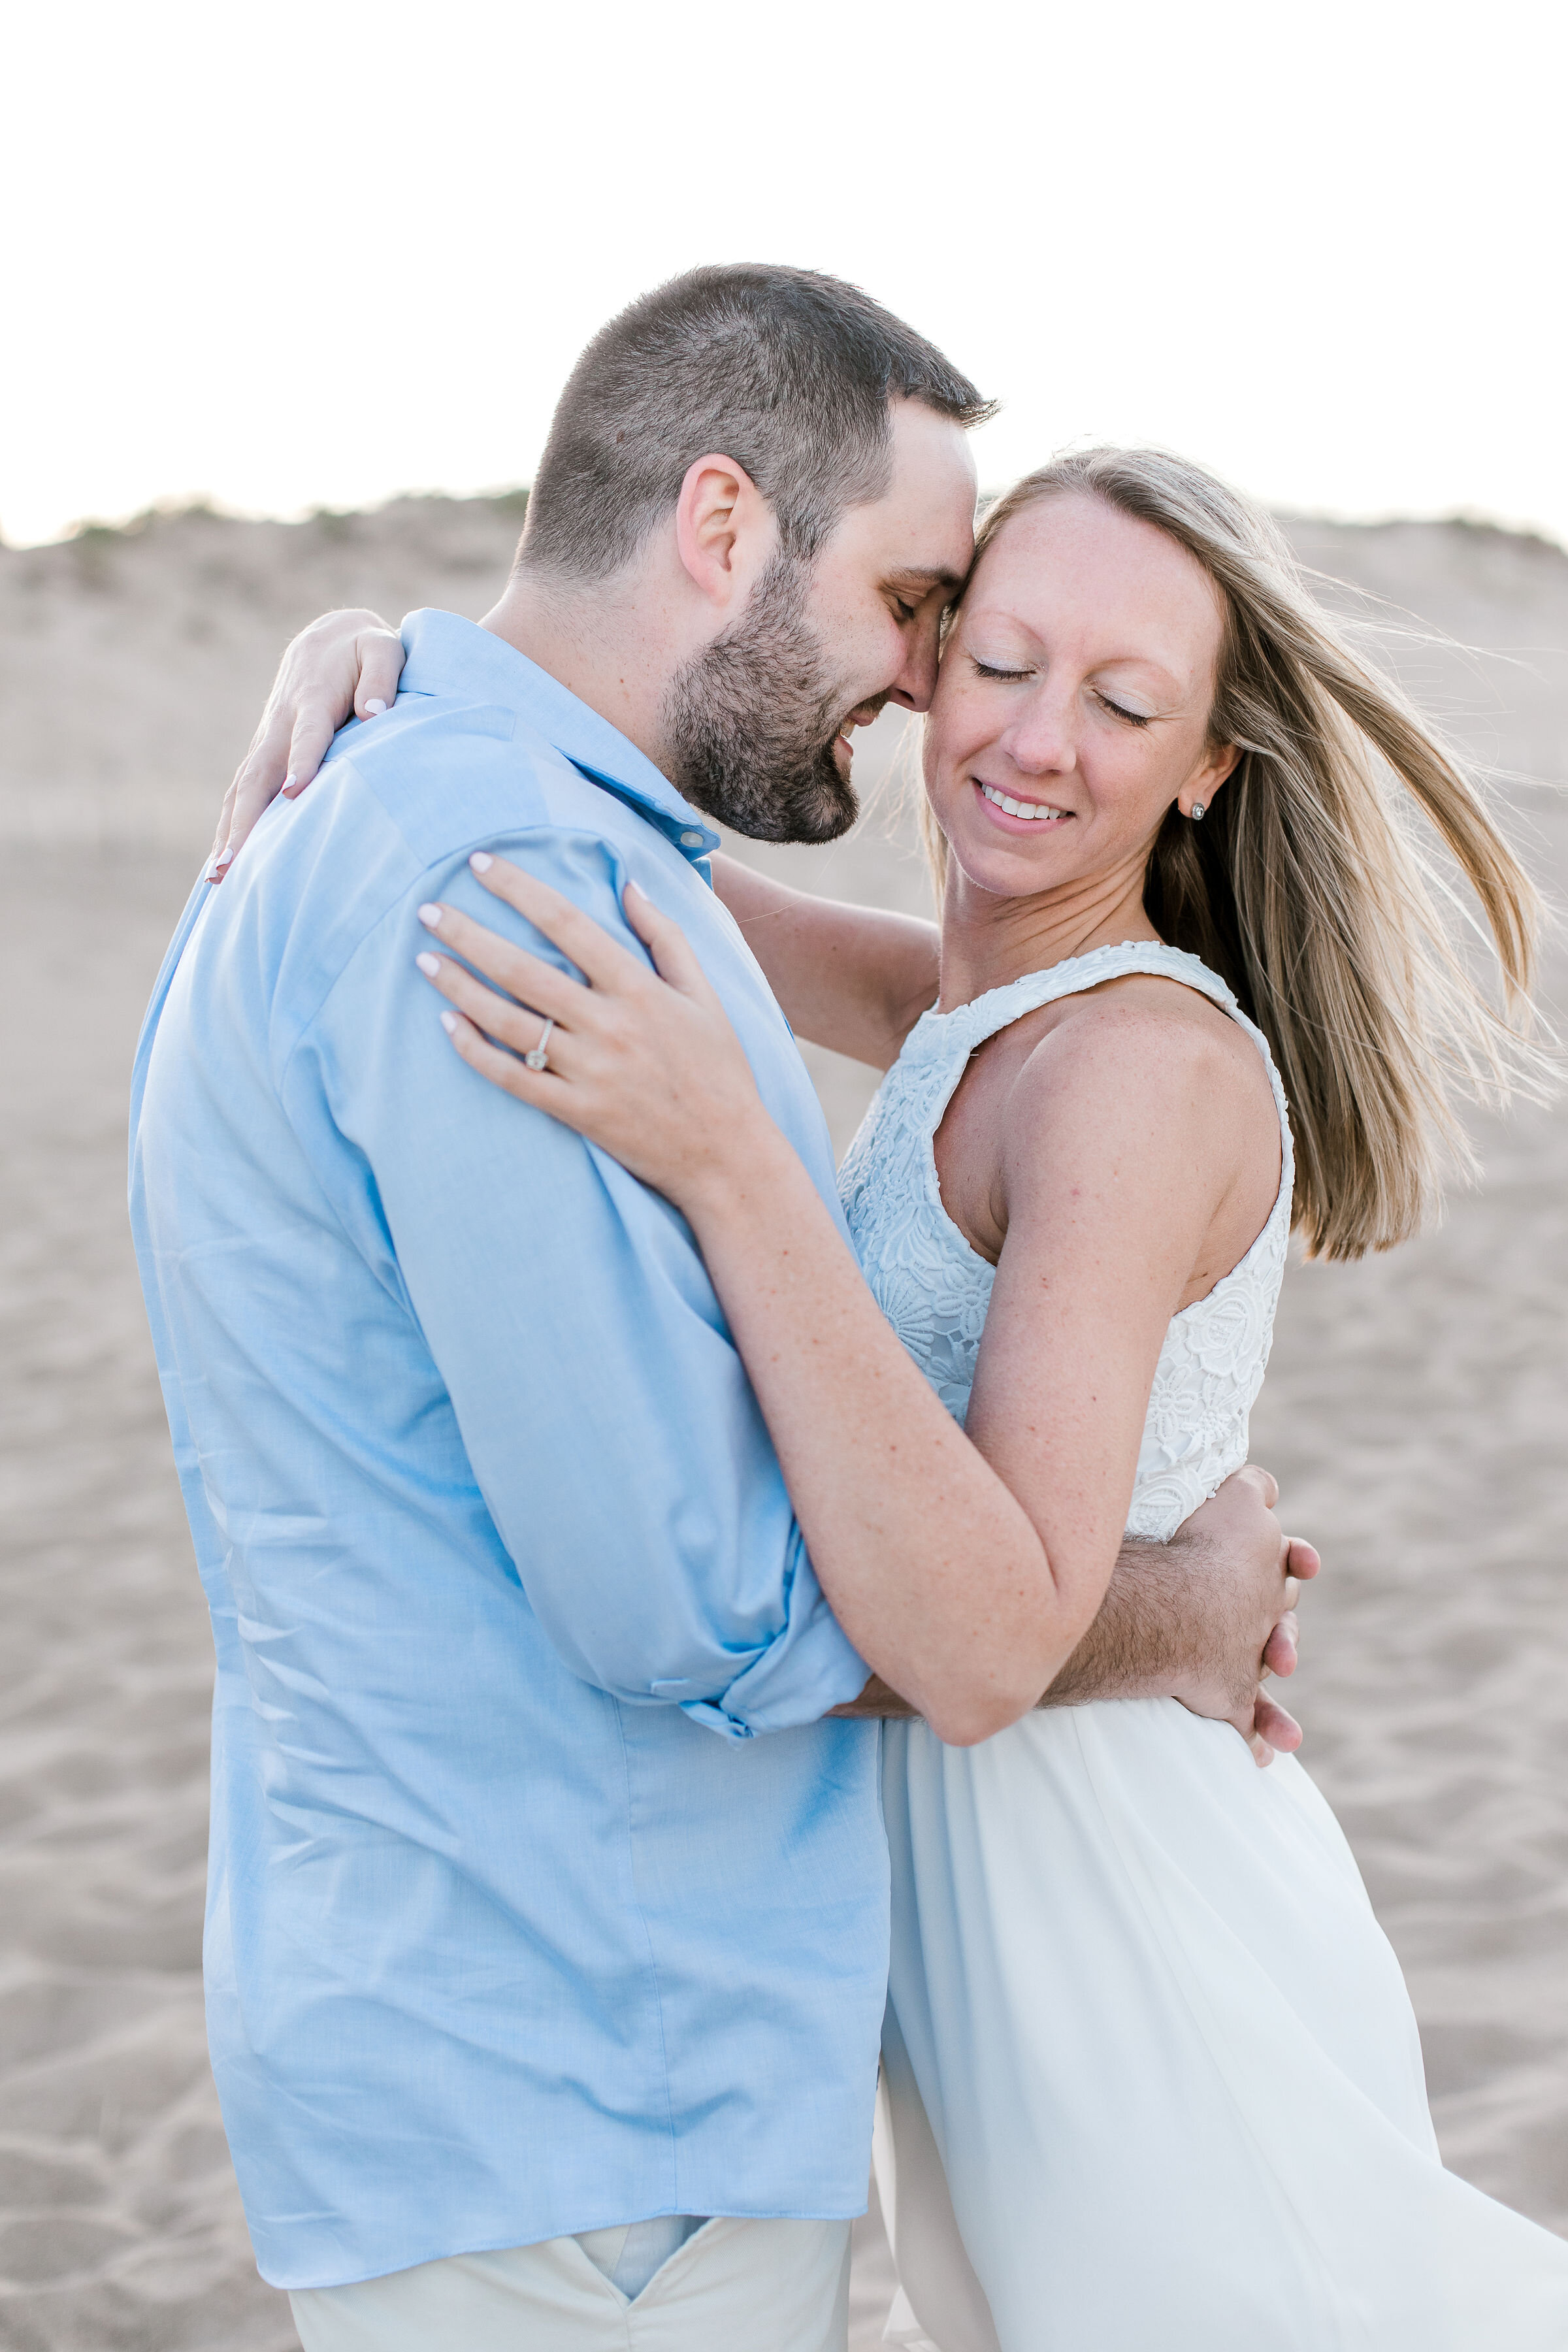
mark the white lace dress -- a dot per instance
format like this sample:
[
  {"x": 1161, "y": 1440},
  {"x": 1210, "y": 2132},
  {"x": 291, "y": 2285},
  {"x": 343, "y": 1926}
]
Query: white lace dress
[{"x": 1150, "y": 2074}]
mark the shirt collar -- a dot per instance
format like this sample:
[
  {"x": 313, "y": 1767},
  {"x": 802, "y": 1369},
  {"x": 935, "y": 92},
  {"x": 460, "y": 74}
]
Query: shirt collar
[{"x": 448, "y": 656}]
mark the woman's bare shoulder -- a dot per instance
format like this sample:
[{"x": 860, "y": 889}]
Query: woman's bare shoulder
[
  {"x": 1165, "y": 1031},
  {"x": 1145, "y": 1063}
]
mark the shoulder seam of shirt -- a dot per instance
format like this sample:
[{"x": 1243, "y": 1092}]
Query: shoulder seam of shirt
[{"x": 457, "y": 849}]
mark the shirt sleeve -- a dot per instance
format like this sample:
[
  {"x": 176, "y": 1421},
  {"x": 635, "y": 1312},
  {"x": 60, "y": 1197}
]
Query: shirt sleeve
[{"x": 607, "y": 1417}]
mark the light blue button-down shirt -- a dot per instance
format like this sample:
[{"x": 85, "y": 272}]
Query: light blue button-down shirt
[{"x": 515, "y": 1925}]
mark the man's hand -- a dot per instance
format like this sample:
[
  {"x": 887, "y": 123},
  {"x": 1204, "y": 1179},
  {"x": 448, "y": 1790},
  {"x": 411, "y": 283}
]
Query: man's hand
[
  {"x": 1204, "y": 1619},
  {"x": 344, "y": 666},
  {"x": 1245, "y": 1577}
]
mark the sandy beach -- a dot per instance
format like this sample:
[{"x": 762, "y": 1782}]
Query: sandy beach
[{"x": 1413, "y": 1414}]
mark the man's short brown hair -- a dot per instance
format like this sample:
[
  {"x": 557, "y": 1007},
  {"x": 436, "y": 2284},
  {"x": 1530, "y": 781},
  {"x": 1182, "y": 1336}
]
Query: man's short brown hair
[{"x": 788, "y": 373}]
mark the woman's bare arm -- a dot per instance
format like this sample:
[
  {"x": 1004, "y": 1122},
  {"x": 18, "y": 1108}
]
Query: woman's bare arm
[
  {"x": 1128, "y": 1139},
  {"x": 849, "y": 977},
  {"x": 967, "y": 1595}
]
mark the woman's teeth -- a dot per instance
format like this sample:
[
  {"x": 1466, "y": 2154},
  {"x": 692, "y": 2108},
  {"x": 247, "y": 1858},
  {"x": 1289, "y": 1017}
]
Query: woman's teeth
[{"x": 1019, "y": 808}]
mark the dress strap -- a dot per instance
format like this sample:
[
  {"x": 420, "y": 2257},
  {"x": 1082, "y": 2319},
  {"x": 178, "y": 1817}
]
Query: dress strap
[{"x": 998, "y": 1008}]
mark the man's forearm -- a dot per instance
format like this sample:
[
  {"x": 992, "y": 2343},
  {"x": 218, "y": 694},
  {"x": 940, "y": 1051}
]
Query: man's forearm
[
  {"x": 1146, "y": 1638},
  {"x": 1200, "y": 1619},
  {"x": 1141, "y": 1644}
]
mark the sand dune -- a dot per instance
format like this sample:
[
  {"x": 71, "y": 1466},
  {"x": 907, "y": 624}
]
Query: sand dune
[{"x": 1414, "y": 1411}]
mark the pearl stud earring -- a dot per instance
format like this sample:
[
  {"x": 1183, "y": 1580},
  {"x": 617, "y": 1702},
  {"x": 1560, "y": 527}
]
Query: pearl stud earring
[{"x": 1197, "y": 811}]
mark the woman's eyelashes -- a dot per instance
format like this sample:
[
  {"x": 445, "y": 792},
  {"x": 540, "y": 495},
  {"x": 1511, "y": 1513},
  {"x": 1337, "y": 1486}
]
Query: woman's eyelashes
[
  {"x": 996, "y": 672},
  {"x": 1134, "y": 717}
]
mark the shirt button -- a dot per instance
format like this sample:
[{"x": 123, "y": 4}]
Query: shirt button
[{"x": 692, "y": 840}]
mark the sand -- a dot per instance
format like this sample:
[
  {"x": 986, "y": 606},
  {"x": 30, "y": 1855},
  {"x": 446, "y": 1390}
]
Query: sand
[{"x": 1414, "y": 1411}]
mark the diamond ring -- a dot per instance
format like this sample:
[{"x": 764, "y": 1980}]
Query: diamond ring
[{"x": 539, "y": 1058}]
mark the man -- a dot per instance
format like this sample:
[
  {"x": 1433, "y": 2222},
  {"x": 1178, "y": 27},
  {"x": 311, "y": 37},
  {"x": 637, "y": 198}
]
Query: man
[{"x": 546, "y": 1935}]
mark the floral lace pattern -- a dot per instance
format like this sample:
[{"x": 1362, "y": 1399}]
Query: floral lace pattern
[{"x": 935, "y": 1289}]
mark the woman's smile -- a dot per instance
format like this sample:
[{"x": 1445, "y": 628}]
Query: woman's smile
[{"x": 1014, "y": 813}]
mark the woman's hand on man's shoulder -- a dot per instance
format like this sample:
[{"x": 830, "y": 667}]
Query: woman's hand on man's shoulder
[{"x": 344, "y": 666}]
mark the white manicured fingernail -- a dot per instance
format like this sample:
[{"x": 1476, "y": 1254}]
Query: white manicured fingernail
[
  {"x": 428, "y": 964},
  {"x": 224, "y": 858},
  {"x": 431, "y": 918},
  {"x": 448, "y": 1022},
  {"x": 374, "y": 707},
  {"x": 635, "y": 890},
  {"x": 481, "y": 861}
]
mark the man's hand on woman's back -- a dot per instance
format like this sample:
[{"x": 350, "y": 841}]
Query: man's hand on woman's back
[{"x": 344, "y": 666}]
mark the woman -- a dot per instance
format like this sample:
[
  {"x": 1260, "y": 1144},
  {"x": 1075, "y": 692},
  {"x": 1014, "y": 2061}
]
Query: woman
[{"x": 1151, "y": 2073}]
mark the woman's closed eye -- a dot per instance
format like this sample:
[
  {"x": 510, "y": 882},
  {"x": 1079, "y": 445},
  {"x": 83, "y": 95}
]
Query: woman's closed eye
[
  {"x": 991, "y": 669},
  {"x": 1000, "y": 674},
  {"x": 1121, "y": 710}
]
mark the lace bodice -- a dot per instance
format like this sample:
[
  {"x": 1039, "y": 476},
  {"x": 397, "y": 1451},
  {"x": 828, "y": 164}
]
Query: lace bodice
[{"x": 935, "y": 1289}]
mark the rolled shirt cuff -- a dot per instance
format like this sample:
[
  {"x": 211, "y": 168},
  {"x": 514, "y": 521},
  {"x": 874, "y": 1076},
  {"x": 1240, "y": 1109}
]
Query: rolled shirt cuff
[{"x": 799, "y": 1678}]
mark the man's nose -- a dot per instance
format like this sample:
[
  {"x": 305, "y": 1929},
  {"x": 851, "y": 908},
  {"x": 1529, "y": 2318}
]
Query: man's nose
[{"x": 916, "y": 682}]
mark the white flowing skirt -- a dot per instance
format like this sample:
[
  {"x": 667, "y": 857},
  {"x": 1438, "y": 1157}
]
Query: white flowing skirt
[{"x": 1152, "y": 2077}]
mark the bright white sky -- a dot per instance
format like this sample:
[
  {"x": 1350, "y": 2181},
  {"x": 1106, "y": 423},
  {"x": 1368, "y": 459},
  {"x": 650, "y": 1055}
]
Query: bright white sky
[{"x": 308, "y": 254}]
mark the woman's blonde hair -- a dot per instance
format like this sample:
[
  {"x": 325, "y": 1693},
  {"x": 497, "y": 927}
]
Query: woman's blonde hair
[{"x": 1305, "y": 886}]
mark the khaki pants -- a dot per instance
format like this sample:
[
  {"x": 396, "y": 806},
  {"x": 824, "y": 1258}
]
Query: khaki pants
[{"x": 735, "y": 2286}]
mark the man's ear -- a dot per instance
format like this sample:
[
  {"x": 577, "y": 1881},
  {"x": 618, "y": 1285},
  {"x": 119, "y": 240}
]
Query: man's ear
[{"x": 724, "y": 529}]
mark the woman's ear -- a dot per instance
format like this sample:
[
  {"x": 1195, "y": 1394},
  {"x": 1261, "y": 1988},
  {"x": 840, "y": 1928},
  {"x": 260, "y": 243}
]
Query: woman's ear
[
  {"x": 1197, "y": 794},
  {"x": 724, "y": 529}
]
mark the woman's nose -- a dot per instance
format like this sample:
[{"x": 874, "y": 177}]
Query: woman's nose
[{"x": 1040, "y": 740}]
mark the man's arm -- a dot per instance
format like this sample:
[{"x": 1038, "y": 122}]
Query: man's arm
[{"x": 1201, "y": 1619}]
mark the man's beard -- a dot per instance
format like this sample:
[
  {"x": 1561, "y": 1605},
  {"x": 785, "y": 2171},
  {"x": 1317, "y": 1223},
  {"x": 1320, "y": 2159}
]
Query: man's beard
[{"x": 750, "y": 721}]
